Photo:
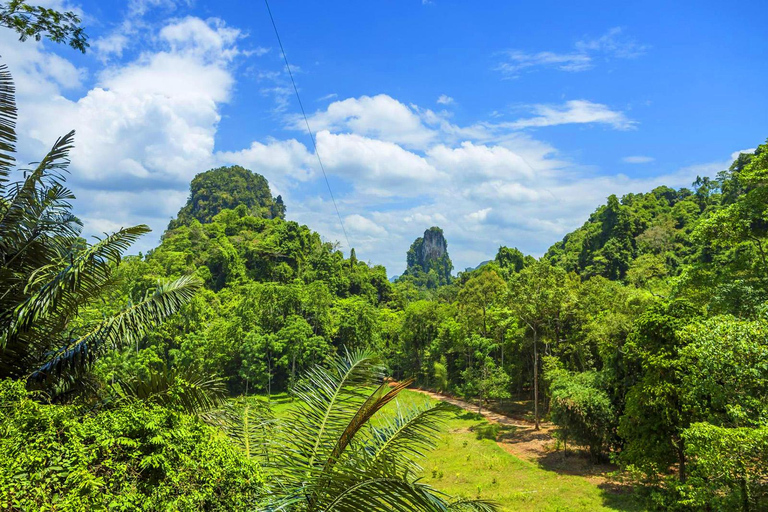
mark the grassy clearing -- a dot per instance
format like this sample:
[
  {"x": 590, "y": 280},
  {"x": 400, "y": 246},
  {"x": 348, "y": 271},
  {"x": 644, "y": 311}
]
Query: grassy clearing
[{"x": 469, "y": 462}]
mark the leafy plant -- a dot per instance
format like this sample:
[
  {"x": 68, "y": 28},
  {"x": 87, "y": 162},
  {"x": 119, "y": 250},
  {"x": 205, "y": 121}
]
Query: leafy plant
[
  {"x": 337, "y": 450},
  {"x": 48, "y": 274}
]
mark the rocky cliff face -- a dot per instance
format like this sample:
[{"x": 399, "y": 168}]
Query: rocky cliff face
[{"x": 428, "y": 258}]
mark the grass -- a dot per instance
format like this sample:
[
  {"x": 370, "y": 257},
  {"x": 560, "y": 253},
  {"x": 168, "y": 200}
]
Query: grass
[{"x": 468, "y": 462}]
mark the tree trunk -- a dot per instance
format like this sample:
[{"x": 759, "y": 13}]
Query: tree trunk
[
  {"x": 535, "y": 381},
  {"x": 744, "y": 495},
  {"x": 681, "y": 459}
]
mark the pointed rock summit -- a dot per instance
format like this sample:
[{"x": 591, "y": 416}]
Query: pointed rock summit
[{"x": 428, "y": 259}]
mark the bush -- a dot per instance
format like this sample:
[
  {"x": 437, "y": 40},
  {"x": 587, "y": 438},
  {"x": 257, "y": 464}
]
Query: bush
[
  {"x": 728, "y": 467},
  {"x": 134, "y": 457},
  {"x": 582, "y": 411}
]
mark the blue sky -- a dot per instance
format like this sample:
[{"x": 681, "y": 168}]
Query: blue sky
[{"x": 505, "y": 123}]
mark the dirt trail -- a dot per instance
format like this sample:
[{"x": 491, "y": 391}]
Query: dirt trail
[
  {"x": 520, "y": 438},
  {"x": 491, "y": 416}
]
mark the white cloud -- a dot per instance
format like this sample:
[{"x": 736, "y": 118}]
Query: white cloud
[
  {"x": 375, "y": 167},
  {"x": 479, "y": 215},
  {"x": 143, "y": 130},
  {"x": 146, "y": 126},
  {"x": 575, "y": 112},
  {"x": 361, "y": 226},
  {"x": 736, "y": 154},
  {"x": 612, "y": 44},
  {"x": 379, "y": 116},
  {"x": 210, "y": 40},
  {"x": 638, "y": 159},
  {"x": 518, "y": 60},
  {"x": 444, "y": 99}
]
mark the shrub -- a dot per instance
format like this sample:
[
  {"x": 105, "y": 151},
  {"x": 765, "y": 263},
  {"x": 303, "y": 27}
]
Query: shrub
[
  {"x": 582, "y": 411},
  {"x": 133, "y": 457}
]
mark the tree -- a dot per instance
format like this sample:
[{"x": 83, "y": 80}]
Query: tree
[
  {"x": 485, "y": 379},
  {"x": 581, "y": 410},
  {"x": 48, "y": 274},
  {"x": 478, "y": 295},
  {"x": 729, "y": 467},
  {"x": 655, "y": 414},
  {"x": 536, "y": 295},
  {"x": 37, "y": 21}
]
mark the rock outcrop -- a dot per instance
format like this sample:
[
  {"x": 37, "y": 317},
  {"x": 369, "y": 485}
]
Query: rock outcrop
[{"x": 428, "y": 260}]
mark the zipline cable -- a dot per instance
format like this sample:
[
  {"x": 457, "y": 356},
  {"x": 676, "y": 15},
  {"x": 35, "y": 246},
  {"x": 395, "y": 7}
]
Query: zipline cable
[{"x": 303, "y": 113}]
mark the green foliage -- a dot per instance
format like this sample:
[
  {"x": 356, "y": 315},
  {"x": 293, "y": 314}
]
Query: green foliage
[
  {"x": 658, "y": 223},
  {"x": 134, "y": 457},
  {"x": 36, "y": 21},
  {"x": 655, "y": 413},
  {"x": 49, "y": 275},
  {"x": 333, "y": 451},
  {"x": 582, "y": 411},
  {"x": 729, "y": 468}
]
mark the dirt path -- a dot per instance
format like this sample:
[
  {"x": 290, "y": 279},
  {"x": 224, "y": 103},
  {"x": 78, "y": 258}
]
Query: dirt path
[
  {"x": 491, "y": 416},
  {"x": 520, "y": 438}
]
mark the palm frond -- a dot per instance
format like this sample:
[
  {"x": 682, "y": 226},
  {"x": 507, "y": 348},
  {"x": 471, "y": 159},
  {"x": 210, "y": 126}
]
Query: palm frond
[
  {"x": 394, "y": 495},
  {"x": 375, "y": 402},
  {"x": 48, "y": 173},
  {"x": 7, "y": 125},
  {"x": 248, "y": 423},
  {"x": 60, "y": 292},
  {"x": 400, "y": 440},
  {"x": 124, "y": 328},
  {"x": 470, "y": 505},
  {"x": 179, "y": 389},
  {"x": 327, "y": 398}
]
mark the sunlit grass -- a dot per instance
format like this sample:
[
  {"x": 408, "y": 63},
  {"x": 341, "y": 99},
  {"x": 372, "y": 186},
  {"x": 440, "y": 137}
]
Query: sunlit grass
[{"x": 469, "y": 463}]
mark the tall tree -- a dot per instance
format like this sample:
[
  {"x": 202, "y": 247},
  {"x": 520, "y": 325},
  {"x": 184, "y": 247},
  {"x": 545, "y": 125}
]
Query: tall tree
[{"x": 536, "y": 296}]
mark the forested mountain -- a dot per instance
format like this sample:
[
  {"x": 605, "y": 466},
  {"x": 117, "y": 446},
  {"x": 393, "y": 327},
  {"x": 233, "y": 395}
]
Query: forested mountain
[
  {"x": 629, "y": 238},
  {"x": 227, "y": 188}
]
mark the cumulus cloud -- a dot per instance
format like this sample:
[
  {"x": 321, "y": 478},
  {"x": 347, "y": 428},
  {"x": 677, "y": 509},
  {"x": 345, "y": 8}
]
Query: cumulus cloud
[
  {"x": 148, "y": 124},
  {"x": 612, "y": 44},
  {"x": 444, "y": 99},
  {"x": 375, "y": 166},
  {"x": 381, "y": 116}
]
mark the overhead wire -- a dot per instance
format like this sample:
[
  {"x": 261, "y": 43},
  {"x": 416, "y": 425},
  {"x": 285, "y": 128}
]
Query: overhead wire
[{"x": 306, "y": 121}]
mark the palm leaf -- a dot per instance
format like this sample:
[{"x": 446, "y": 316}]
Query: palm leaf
[
  {"x": 59, "y": 293},
  {"x": 248, "y": 423},
  {"x": 398, "y": 495},
  {"x": 7, "y": 125},
  {"x": 24, "y": 195},
  {"x": 124, "y": 328},
  {"x": 330, "y": 457},
  {"x": 404, "y": 437},
  {"x": 185, "y": 390},
  {"x": 326, "y": 398}
]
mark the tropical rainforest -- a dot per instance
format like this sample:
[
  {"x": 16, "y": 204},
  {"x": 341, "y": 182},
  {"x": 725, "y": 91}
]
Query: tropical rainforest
[{"x": 147, "y": 382}]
